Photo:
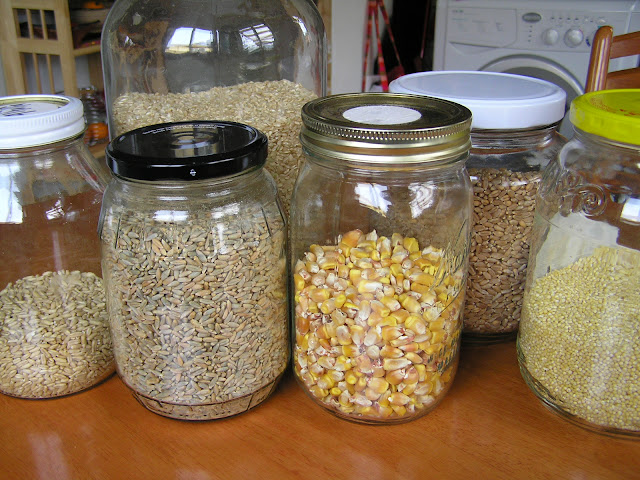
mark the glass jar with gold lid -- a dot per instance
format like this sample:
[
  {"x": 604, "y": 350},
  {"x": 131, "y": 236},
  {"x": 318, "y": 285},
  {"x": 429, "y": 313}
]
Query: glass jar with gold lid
[{"x": 378, "y": 253}]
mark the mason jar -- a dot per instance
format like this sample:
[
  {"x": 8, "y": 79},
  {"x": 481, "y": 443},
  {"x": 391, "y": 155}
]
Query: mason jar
[
  {"x": 54, "y": 333},
  {"x": 380, "y": 223},
  {"x": 514, "y": 136},
  {"x": 579, "y": 338},
  {"x": 251, "y": 61},
  {"x": 193, "y": 255}
]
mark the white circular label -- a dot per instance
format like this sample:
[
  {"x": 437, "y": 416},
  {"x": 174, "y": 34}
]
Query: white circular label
[{"x": 382, "y": 115}]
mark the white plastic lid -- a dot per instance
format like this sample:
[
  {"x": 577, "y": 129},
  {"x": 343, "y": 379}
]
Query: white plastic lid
[
  {"x": 33, "y": 120},
  {"x": 498, "y": 101}
]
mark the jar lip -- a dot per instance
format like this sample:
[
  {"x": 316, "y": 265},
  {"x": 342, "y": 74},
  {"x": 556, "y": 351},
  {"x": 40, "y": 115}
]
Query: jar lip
[{"x": 187, "y": 151}]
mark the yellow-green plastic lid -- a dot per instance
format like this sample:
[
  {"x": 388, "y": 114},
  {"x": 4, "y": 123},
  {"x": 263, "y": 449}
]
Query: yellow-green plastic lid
[{"x": 611, "y": 114}]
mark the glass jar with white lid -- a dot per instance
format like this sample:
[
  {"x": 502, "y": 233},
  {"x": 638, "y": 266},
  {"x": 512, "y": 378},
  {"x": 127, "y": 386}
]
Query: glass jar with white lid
[
  {"x": 54, "y": 330},
  {"x": 514, "y": 135}
]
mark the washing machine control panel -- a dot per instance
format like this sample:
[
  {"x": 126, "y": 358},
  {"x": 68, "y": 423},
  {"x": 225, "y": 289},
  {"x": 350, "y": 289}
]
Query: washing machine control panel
[{"x": 529, "y": 28}]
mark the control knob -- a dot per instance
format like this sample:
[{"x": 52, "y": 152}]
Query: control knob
[
  {"x": 550, "y": 36},
  {"x": 573, "y": 37}
]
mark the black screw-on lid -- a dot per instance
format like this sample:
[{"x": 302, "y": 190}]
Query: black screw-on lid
[{"x": 193, "y": 150}]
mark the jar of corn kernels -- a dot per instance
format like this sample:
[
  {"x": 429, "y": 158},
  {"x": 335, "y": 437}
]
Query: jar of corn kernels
[
  {"x": 193, "y": 255},
  {"x": 379, "y": 244},
  {"x": 514, "y": 136}
]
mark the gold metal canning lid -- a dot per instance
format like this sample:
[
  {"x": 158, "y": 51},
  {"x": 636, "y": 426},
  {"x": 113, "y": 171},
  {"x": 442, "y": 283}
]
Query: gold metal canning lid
[{"x": 383, "y": 127}]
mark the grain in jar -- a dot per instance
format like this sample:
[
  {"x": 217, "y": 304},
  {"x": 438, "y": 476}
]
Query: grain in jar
[
  {"x": 579, "y": 338},
  {"x": 54, "y": 333},
  {"x": 256, "y": 65},
  {"x": 193, "y": 244},
  {"x": 514, "y": 137},
  {"x": 379, "y": 233}
]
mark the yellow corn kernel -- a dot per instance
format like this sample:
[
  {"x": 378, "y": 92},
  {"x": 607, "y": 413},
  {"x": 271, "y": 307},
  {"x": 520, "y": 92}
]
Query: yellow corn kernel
[
  {"x": 390, "y": 352},
  {"x": 328, "y": 306},
  {"x": 327, "y": 263},
  {"x": 449, "y": 281},
  {"x": 412, "y": 375},
  {"x": 436, "y": 324},
  {"x": 415, "y": 255},
  {"x": 335, "y": 391},
  {"x": 391, "y": 303},
  {"x": 411, "y": 244},
  {"x": 411, "y": 304},
  {"x": 379, "y": 307},
  {"x": 350, "y": 351},
  {"x": 343, "y": 336},
  {"x": 361, "y": 384},
  {"x": 395, "y": 377},
  {"x": 437, "y": 336},
  {"x": 357, "y": 334},
  {"x": 396, "y": 239},
  {"x": 352, "y": 237},
  {"x": 443, "y": 297},
  {"x": 399, "y": 398},
  {"x": 422, "y": 372},
  {"x": 395, "y": 363},
  {"x": 319, "y": 295},
  {"x": 318, "y": 392},
  {"x": 367, "y": 411},
  {"x": 413, "y": 357},
  {"x": 312, "y": 307},
  {"x": 343, "y": 271},
  {"x": 384, "y": 412},
  {"x": 409, "y": 389},
  {"x": 302, "y": 324},
  {"x": 299, "y": 282},
  {"x": 349, "y": 304},
  {"x": 446, "y": 376},
  {"x": 416, "y": 324},
  {"x": 350, "y": 377},
  {"x": 304, "y": 342},
  {"x": 354, "y": 276},
  {"x": 325, "y": 382},
  {"x": 431, "y": 349},
  {"x": 340, "y": 300},
  {"x": 378, "y": 385},
  {"x": 422, "y": 263},
  {"x": 396, "y": 269},
  {"x": 388, "y": 322},
  {"x": 368, "y": 286},
  {"x": 390, "y": 333},
  {"x": 357, "y": 253}
]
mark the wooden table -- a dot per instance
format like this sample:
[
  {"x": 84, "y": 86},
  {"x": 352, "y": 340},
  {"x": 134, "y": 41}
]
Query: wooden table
[{"x": 489, "y": 426}]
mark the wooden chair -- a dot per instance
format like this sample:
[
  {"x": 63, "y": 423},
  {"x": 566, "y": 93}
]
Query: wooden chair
[{"x": 605, "y": 47}]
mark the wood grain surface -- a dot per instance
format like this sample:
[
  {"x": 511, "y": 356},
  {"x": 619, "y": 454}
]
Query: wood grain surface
[{"x": 490, "y": 425}]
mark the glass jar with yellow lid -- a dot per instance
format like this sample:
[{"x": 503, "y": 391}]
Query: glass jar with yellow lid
[{"x": 579, "y": 337}]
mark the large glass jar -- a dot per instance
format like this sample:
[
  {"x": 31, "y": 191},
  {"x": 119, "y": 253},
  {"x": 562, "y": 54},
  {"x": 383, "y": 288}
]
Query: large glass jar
[
  {"x": 514, "y": 137},
  {"x": 193, "y": 255},
  {"x": 251, "y": 61},
  {"x": 380, "y": 223},
  {"x": 54, "y": 333},
  {"x": 579, "y": 338}
]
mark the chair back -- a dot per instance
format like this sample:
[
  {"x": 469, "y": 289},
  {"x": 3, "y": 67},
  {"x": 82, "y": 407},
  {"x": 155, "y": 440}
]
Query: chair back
[{"x": 605, "y": 47}]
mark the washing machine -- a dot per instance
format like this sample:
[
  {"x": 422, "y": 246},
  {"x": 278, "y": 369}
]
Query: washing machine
[{"x": 547, "y": 39}]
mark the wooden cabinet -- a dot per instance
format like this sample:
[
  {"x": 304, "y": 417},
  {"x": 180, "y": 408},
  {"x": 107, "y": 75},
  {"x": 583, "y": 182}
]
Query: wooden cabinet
[{"x": 36, "y": 36}]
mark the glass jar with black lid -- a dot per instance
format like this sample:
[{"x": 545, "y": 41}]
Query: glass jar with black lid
[{"x": 193, "y": 248}]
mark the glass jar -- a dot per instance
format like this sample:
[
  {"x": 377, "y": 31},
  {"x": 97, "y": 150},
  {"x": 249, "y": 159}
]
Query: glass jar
[
  {"x": 380, "y": 223},
  {"x": 193, "y": 254},
  {"x": 514, "y": 137},
  {"x": 579, "y": 338},
  {"x": 251, "y": 61},
  {"x": 54, "y": 332}
]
